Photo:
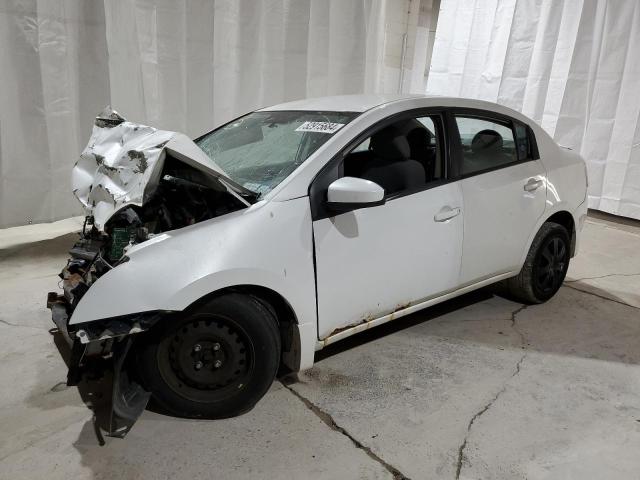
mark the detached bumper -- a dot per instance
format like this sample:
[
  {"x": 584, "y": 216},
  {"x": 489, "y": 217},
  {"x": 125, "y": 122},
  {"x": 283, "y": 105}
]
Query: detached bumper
[{"x": 98, "y": 354}]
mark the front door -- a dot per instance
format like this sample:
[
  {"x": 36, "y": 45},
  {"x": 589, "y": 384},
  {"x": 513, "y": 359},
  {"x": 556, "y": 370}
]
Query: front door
[{"x": 373, "y": 261}]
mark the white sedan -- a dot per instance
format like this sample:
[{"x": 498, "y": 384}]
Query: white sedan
[{"x": 205, "y": 265}]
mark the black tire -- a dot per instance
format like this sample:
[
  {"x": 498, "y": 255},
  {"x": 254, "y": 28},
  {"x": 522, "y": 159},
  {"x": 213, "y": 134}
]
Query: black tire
[
  {"x": 544, "y": 269},
  {"x": 216, "y": 362}
]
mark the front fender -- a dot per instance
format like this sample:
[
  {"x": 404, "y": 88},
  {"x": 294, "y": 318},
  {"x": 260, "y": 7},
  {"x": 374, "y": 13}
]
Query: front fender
[
  {"x": 130, "y": 290},
  {"x": 269, "y": 247}
]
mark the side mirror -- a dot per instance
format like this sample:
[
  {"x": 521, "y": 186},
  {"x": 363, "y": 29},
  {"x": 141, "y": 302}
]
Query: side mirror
[{"x": 350, "y": 193}]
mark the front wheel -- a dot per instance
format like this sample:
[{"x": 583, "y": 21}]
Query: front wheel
[
  {"x": 216, "y": 362},
  {"x": 545, "y": 267}
]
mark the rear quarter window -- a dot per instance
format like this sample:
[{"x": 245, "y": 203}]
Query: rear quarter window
[{"x": 523, "y": 143}]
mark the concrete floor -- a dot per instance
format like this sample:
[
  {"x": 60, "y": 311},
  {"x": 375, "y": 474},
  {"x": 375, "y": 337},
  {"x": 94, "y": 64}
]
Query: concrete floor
[{"x": 479, "y": 387}]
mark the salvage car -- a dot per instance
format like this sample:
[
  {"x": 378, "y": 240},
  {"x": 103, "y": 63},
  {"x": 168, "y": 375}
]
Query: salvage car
[{"x": 206, "y": 265}]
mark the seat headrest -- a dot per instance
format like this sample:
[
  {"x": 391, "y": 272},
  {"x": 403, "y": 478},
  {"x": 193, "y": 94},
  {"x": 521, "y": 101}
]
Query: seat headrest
[
  {"x": 486, "y": 140},
  {"x": 419, "y": 136},
  {"x": 390, "y": 144}
]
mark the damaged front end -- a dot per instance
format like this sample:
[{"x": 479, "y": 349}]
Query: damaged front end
[
  {"x": 99, "y": 350},
  {"x": 135, "y": 182}
]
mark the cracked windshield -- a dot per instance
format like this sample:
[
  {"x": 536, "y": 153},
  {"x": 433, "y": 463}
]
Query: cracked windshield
[{"x": 261, "y": 149}]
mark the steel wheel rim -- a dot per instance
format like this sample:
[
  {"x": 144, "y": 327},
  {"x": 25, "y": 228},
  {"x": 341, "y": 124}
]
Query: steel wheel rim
[{"x": 206, "y": 359}]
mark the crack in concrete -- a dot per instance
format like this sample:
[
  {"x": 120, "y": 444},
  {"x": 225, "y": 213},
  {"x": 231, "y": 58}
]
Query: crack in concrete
[
  {"x": 328, "y": 420},
  {"x": 479, "y": 413},
  {"x": 514, "y": 314},
  {"x": 603, "y": 276},
  {"x": 600, "y": 296},
  {"x": 20, "y": 326}
]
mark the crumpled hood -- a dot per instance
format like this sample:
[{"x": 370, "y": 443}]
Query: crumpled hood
[{"x": 123, "y": 161}]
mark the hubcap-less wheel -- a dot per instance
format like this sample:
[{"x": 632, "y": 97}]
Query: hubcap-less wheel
[
  {"x": 551, "y": 265},
  {"x": 206, "y": 359},
  {"x": 214, "y": 360},
  {"x": 544, "y": 268}
]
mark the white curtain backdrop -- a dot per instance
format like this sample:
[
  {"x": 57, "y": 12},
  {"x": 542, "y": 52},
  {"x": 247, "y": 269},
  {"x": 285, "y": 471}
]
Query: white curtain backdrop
[
  {"x": 54, "y": 78},
  {"x": 572, "y": 65},
  {"x": 185, "y": 65}
]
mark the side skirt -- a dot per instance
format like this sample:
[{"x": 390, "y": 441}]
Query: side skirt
[{"x": 367, "y": 324}]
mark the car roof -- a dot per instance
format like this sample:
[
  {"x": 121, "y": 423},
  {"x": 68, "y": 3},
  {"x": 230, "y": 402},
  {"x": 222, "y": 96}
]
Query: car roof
[
  {"x": 364, "y": 102},
  {"x": 343, "y": 103}
]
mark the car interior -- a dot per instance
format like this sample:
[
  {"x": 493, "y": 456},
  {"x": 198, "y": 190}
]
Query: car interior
[
  {"x": 401, "y": 156},
  {"x": 487, "y": 149},
  {"x": 405, "y": 155},
  {"x": 486, "y": 143}
]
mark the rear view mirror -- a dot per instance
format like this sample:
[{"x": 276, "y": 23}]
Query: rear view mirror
[{"x": 351, "y": 193}]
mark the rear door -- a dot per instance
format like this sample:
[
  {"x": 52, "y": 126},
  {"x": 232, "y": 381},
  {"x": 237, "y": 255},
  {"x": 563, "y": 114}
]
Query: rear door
[{"x": 504, "y": 191}]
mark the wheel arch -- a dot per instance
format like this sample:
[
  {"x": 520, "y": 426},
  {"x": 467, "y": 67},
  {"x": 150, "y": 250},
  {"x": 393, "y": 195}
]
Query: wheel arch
[
  {"x": 560, "y": 216},
  {"x": 278, "y": 306},
  {"x": 564, "y": 218}
]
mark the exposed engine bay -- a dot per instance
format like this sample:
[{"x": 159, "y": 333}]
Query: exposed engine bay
[
  {"x": 184, "y": 196},
  {"x": 135, "y": 182}
]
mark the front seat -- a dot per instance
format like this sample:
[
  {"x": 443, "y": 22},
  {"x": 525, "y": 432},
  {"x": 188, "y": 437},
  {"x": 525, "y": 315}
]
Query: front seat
[{"x": 390, "y": 165}]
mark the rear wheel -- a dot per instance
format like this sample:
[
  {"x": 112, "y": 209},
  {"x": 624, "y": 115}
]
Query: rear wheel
[
  {"x": 216, "y": 362},
  {"x": 545, "y": 267}
]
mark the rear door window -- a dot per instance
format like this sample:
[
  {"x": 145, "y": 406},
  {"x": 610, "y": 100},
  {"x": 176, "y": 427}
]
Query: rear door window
[{"x": 486, "y": 144}]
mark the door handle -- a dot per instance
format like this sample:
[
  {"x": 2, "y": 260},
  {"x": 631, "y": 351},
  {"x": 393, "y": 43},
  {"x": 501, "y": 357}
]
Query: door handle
[
  {"x": 533, "y": 184},
  {"x": 446, "y": 213}
]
